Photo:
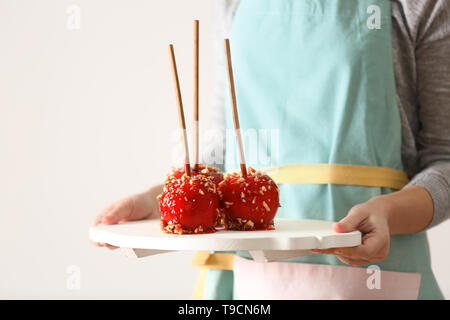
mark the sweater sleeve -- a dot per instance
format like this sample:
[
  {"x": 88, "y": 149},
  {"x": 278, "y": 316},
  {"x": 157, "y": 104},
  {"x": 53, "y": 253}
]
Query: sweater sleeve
[{"x": 433, "y": 90}]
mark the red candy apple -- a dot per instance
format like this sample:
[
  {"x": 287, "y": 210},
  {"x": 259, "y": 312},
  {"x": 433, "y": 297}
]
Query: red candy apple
[
  {"x": 209, "y": 172},
  {"x": 250, "y": 202},
  {"x": 189, "y": 205}
]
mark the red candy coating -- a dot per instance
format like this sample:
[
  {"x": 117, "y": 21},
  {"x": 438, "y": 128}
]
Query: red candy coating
[
  {"x": 211, "y": 173},
  {"x": 250, "y": 203},
  {"x": 189, "y": 205}
]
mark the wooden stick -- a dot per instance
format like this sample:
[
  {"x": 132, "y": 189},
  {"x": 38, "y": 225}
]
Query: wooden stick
[
  {"x": 237, "y": 129},
  {"x": 176, "y": 83},
  {"x": 196, "y": 94}
]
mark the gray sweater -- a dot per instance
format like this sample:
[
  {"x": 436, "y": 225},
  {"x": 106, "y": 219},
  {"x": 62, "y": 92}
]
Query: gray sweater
[{"x": 421, "y": 42}]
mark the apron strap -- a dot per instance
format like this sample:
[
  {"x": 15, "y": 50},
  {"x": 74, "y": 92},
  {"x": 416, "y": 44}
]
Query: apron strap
[
  {"x": 205, "y": 261},
  {"x": 345, "y": 174},
  {"x": 219, "y": 261}
]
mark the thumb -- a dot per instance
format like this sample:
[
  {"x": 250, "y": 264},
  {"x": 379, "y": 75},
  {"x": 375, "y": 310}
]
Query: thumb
[{"x": 351, "y": 222}]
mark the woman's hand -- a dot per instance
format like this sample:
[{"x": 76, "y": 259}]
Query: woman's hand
[
  {"x": 407, "y": 211},
  {"x": 136, "y": 207},
  {"x": 371, "y": 220}
]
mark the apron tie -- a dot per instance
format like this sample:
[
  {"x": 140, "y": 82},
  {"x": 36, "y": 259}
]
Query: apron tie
[
  {"x": 205, "y": 261},
  {"x": 343, "y": 174},
  {"x": 219, "y": 261}
]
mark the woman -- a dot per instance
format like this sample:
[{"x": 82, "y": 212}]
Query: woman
[{"x": 359, "y": 84}]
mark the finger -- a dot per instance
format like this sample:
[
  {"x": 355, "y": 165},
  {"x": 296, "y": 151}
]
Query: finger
[
  {"x": 354, "y": 218},
  {"x": 122, "y": 210},
  {"x": 352, "y": 262},
  {"x": 103, "y": 213},
  {"x": 325, "y": 251},
  {"x": 97, "y": 220},
  {"x": 103, "y": 244},
  {"x": 348, "y": 251},
  {"x": 97, "y": 244},
  {"x": 374, "y": 247},
  {"x": 352, "y": 253}
]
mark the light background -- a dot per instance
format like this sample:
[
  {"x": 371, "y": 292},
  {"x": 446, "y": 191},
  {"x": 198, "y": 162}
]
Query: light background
[{"x": 85, "y": 117}]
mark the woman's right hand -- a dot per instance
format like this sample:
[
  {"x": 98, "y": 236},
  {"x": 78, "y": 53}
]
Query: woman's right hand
[{"x": 136, "y": 207}]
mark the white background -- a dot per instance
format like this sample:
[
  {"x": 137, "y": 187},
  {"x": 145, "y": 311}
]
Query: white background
[{"x": 85, "y": 117}]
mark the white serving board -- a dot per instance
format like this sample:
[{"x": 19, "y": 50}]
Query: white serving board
[{"x": 291, "y": 238}]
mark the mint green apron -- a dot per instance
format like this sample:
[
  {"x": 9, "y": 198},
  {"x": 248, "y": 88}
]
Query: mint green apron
[{"x": 314, "y": 71}]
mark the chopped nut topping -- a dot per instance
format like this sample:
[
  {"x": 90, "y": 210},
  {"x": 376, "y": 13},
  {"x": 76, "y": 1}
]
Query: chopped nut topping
[
  {"x": 240, "y": 224},
  {"x": 228, "y": 204},
  {"x": 266, "y": 206}
]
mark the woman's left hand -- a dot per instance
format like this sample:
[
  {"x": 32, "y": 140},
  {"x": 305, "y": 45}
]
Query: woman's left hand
[{"x": 371, "y": 219}]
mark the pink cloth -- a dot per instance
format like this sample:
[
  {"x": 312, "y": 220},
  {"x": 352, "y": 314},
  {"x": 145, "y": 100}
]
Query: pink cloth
[{"x": 302, "y": 281}]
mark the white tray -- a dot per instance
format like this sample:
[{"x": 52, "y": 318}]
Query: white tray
[{"x": 291, "y": 238}]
